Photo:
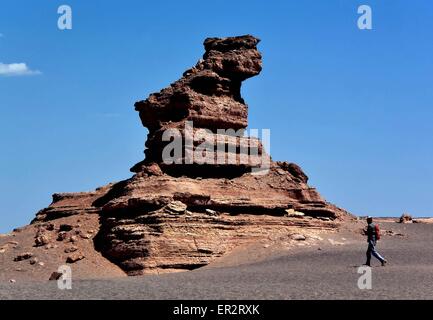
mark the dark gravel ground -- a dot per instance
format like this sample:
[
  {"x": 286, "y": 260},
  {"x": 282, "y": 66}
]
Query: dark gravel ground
[{"x": 303, "y": 273}]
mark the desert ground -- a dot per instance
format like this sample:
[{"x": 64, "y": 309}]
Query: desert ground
[{"x": 324, "y": 266}]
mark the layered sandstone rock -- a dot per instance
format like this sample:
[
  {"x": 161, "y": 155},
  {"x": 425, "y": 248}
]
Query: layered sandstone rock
[
  {"x": 228, "y": 205},
  {"x": 180, "y": 216},
  {"x": 69, "y": 204},
  {"x": 142, "y": 233},
  {"x": 208, "y": 96}
]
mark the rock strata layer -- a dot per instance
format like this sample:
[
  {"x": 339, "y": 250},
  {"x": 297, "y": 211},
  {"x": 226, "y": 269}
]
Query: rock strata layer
[{"x": 208, "y": 96}]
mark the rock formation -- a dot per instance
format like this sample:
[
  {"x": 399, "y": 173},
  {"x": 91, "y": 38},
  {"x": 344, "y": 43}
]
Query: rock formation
[
  {"x": 209, "y": 96},
  {"x": 184, "y": 214}
]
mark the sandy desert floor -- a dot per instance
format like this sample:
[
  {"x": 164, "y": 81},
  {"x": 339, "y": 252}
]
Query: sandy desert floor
[{"x": 326, "y": 269}]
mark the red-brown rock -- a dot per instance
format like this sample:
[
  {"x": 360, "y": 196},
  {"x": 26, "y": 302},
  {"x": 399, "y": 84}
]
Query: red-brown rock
[{"x": 183, "y": 216}]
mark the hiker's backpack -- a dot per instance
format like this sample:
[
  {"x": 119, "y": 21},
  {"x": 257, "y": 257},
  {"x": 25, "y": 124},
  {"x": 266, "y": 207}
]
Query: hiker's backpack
[{"x": 377, "y": 231}]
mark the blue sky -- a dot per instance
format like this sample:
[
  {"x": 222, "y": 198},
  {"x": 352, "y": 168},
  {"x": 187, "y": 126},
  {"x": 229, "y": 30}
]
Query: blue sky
[{"x": 353, "y": 107}]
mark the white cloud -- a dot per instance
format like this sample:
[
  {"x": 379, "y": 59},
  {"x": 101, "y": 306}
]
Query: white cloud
[{"x": 16, "y": 69}]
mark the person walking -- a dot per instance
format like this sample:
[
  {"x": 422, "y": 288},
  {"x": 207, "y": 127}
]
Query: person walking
[{"x": 373, "y": 234}]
